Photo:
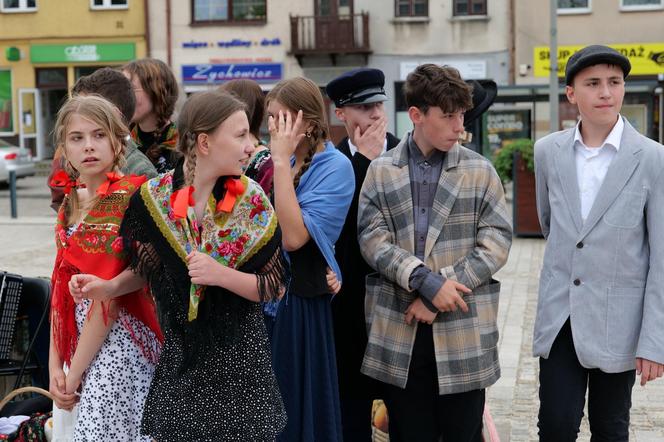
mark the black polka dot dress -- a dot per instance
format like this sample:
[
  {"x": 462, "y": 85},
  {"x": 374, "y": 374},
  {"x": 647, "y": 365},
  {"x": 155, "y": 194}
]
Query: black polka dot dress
[
  {"x": 230, "y": 395},
  {"x": 115, "y": 385}
]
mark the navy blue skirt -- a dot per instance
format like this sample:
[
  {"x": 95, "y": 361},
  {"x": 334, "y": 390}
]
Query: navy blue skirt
[{"x": 303, "y": 358}]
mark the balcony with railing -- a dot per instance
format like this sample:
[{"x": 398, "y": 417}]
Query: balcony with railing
[{"x": 331, "y": 35}]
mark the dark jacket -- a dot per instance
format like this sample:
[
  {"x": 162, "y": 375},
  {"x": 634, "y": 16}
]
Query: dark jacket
[{"x": 350, "y": 333}]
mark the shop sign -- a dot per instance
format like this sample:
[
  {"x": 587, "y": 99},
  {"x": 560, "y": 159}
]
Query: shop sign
[
  {"x": 101, "y": 52},
  {"x": 469, "y": 69},
  {"x": 234, "y": 43},
  {"x": 6, "y": 124},
  {"x": 646, "y": 58},
  {"x": 220, "y": 73},
  {"x": 502, "y": 126}
]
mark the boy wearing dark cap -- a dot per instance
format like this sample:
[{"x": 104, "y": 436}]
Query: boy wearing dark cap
[
  {"x": 358, "y": 96},
  {"x": 600, "y": 199},
  {"x": 433, "y": 223}
]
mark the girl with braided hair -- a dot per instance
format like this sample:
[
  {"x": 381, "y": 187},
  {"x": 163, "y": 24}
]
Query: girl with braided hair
[
  {"x": 313, "y": 188},
  {"x": 156, "y": 91},
  {"x": 102, "y": 352},
  {"x": 207, "y": 241}
]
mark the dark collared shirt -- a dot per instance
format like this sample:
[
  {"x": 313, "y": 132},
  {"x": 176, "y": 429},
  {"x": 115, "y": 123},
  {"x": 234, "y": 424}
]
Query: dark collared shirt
[{"x": 424, "y": 176}]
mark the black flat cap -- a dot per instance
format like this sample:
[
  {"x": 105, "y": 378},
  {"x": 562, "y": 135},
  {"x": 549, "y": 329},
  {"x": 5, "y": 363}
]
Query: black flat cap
[
  {"x": 593, "y": 55},
  {"x": 359, "y": 86},
  {"x": 484, "y": 93}
]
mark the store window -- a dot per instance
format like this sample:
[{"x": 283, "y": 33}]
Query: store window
[
  {"x": 411, "y": 8},
  {"x": 641, "y": 5},
  {"x": 18, "y": 6},
  {"x": 228, "y": 11},
  {"x": 469, "y": 7},
  {"x": 6, "y": 124},
  {"x": 109, "y": 4},
  {"x": 573, "y": 6}
]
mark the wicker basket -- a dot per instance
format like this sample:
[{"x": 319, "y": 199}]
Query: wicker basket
[{"x": 12, "y": 394}]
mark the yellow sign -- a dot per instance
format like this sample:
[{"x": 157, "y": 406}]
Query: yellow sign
[{"x": 646, "y": 58}]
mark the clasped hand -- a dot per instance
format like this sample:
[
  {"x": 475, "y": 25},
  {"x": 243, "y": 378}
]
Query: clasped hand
[{"x": 64, "y": 389}]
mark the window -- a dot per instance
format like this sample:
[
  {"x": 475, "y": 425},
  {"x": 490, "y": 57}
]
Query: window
[
  {"x": 18, "y": 5},
  {"x": 215, "y": 11},
  {"x": 640, "y": 5},
  {"x": 573, "y": 6},
  {"x": 411, "y": 8},
  {"x": 469, "y": 7},
  {"x": 109, "y": 4},
  {"x": 6, "y": 124}
]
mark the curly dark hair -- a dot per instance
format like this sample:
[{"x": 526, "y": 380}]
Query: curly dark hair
[
  {"x": 430, "y": 85},
  {"x": 159, "y": 83}
]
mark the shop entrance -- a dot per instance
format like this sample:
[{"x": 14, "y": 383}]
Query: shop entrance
[{"x": 52, "y": 85}]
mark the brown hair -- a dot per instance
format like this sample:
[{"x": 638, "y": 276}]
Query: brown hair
[
  {"x": 159, "y": 83},
  {"x": 300, "y": 93},
  {"x": 251, "y": 94},
  {"x": 112, "y": 85},
  {"x": 430, "y": 85},
  {"x": 103, "y": 113},
  {"x": 203, "y": 112}
]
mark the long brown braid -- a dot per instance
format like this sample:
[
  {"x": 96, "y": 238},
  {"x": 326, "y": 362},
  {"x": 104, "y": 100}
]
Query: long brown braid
[
  {"x": 101, "y": 112},
  {"x": 300, "y": 93},
  {"x": 190, "y": 158},
  {"x": 203, "y": 112}
]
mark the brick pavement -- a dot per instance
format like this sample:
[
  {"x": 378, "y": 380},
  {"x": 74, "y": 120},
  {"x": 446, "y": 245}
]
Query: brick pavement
[
  {"x": 27, "y": 247},
  {"x": 513, "y": 399}
]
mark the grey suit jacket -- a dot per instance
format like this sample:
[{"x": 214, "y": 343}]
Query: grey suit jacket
[{"x": 606, "y": 274}]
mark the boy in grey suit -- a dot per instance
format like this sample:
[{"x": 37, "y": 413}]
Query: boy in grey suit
[{"x": 600, "y": 199}]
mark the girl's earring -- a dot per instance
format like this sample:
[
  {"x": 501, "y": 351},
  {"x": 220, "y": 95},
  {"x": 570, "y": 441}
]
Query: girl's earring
[{"x": 308, "y": 134}]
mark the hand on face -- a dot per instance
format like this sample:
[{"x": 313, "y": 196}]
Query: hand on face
[
  {"x": 285, "y": 134},
  {"x": 370, "y": 142}
]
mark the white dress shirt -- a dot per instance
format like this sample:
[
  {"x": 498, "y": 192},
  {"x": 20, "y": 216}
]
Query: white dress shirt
[
  {"x": 353, "y": 148},
  {"x": 592, "y": 163}
]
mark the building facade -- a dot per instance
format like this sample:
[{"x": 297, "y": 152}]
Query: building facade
[
  {"x": 210, "y": 42},
  {"x": 45, "y": 46},
  {"x": 634, "y": 27}
]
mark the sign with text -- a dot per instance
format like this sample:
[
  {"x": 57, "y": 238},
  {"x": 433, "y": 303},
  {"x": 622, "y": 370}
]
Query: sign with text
[
  {"x": 84, "y": 52},
  {"x": 500, "y": 126},
  {"x": 646, "y": 58},
  {"x": 221, "y": 73}
]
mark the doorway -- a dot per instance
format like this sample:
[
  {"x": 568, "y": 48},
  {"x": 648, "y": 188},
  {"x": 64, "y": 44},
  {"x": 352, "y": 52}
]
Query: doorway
[
  {"x": 334, "y": 24},
  {"x": 52, "y": 85}
]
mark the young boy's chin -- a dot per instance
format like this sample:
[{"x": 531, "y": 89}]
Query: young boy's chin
[
  {"x": 600, "y": 118},
  {"x": 445, "y": 147}
]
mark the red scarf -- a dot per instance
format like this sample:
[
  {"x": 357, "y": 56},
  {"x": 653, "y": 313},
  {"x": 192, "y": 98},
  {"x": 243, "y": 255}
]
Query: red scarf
[{"x": 98, "y": 252}]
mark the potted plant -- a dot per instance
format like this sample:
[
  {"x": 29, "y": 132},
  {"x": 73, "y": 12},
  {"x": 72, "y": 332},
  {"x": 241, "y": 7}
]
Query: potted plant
[{"x": 515, "y": 162}]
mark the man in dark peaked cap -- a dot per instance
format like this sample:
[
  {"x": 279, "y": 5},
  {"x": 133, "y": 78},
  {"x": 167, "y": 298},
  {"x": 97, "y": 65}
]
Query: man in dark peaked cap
[{"x": 358, "y": 96}]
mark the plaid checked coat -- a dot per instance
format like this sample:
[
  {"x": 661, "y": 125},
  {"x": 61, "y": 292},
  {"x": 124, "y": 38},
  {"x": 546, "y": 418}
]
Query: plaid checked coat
[{"x": 468, "y": 240}]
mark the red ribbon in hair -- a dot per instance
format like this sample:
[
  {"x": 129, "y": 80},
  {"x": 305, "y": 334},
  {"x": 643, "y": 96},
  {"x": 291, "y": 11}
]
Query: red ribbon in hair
[
  {"x": 111, "y": 177},
  {"x": 181, "y": 200},
  {"x": 62, "y": 179},
  {"x": 234, "y": 188}
]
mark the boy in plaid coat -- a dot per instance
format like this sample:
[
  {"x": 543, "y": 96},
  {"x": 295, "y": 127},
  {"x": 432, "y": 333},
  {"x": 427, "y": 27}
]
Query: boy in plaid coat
[{"x": 433, "y": 224}]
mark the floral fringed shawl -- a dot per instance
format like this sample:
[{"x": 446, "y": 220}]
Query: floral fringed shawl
[
  {"x": 95, "y": 248},
  {"x": 239, "y": 229}
]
